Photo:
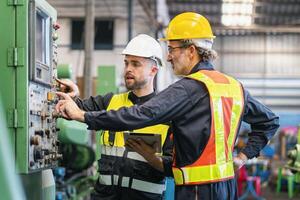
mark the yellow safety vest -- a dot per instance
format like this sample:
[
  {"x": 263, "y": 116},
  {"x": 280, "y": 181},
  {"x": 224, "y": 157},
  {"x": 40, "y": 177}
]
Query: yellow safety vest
[
  {"x": 227, "y": 103},
  {"x": 121, "y": 100}
]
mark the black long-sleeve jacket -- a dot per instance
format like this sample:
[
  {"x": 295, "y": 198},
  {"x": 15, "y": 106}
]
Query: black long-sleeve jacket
[
  {"x": 186, "y": 104},
  {"x": 100, "y": 103}
]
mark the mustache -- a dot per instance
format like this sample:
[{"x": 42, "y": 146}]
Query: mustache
[{"x": 129, "y": 74}]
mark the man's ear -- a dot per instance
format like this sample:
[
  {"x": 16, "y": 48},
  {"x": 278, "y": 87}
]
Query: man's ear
[
  {"x": 192, "y": 50},
  {"x": 154, "y": 70}
]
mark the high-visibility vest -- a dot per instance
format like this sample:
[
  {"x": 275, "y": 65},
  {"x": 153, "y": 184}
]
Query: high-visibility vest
[
  {"x": 116, "y": 148},
  {"x": 121, "y": 100},
  {"x": 227, "y": 104}
]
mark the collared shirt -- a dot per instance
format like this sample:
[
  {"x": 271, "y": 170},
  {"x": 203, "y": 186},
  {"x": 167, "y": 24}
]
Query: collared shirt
[{"x": 186, "y": 104}]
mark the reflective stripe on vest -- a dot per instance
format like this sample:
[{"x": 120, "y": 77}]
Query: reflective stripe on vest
[
  {"x": 226, "y": 102},
  {"x": 121, "y": 100},
  {"x": 135, "y": 184},
  {"x": 119, "y": 152}
]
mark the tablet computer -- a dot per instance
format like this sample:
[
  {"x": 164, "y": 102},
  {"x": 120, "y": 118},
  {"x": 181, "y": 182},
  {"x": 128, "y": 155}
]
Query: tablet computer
[{"x": 152, "y": 139}]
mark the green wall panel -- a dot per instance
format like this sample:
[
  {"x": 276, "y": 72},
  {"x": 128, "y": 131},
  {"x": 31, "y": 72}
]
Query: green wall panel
[{"x": 106, "y": 80}]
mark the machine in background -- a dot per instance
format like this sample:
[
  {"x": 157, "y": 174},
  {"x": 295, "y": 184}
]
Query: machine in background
[
  {"x": 74, "y": 178},
  {"x": 294, "y": 161}
]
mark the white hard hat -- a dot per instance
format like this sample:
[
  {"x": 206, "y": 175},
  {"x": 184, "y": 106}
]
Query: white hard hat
[{"x": 144, "y": 46}]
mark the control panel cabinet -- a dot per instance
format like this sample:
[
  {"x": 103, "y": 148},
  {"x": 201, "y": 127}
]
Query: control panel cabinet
[{"x": 28, "y": 61}]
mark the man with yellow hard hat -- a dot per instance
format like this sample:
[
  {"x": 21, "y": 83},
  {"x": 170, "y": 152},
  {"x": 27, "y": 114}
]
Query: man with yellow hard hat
[{"x": 205, "y": 107}]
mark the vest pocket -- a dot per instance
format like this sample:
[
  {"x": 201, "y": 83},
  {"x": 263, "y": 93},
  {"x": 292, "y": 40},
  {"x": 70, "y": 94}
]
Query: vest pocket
[
  {"x": 144, "y": 171},
  {"x": 106, "y": 165}
]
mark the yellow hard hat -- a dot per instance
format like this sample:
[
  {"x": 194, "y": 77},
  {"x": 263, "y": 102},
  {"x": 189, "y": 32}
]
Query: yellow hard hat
[{"x": 188, "y": 25}]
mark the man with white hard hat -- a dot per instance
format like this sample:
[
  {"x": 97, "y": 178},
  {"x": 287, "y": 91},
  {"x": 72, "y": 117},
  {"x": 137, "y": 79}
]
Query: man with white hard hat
[{"x": 137, "y": 174}]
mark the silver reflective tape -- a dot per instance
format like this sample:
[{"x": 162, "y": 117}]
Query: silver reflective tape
[
  {"x": 106, "y": 179},
  {"x": 136, "y": 184},
  {"x": 119, "y": 152},
  {"x": 144, "y": 186}
]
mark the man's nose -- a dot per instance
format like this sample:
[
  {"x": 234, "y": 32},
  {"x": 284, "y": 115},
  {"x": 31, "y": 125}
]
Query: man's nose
[
  {"x": 169, "y": 57},
  {"x": 128, "y": 68}
]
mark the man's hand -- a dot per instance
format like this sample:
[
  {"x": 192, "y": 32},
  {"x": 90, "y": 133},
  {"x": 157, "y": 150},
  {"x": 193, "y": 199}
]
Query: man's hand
[
  {"x": 239, "y": 161},
  {"x": 146, "y": 151},
  {"x": 68, "y": 108},
  {"x": 140, "y": 147},
  {"x": 67, "y": 86}
]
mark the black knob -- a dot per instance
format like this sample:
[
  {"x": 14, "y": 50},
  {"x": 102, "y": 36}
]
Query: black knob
[
  {"x": 31, "y": 163},
  {"x": 39, "y": 132},
  {"x": 46, "y": 151},
  {"x": 47, "y": 131},
  {"x": 38, "y": 154}
]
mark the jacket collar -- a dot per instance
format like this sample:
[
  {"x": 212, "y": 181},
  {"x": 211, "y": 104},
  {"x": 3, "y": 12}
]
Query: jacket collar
[{"x": 202, "y": 66}]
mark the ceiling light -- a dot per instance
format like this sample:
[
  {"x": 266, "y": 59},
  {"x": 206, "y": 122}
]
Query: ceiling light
[{"x": 237, "y": 12}]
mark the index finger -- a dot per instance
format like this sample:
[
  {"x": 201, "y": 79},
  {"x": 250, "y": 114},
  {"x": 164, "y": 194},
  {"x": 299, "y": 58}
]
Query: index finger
[
  {"x": 61, "y": 82},
  {"x": 63, "y": 95}
]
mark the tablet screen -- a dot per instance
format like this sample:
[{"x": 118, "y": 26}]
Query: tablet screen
[{"x": 152, "y": 139}]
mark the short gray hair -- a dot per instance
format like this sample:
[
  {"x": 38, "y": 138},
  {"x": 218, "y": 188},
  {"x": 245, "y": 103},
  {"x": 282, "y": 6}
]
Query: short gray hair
[{"x": 205, "y": 54}]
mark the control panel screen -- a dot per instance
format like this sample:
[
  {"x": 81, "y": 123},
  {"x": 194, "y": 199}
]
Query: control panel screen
[{"x": 42, "y": 69}]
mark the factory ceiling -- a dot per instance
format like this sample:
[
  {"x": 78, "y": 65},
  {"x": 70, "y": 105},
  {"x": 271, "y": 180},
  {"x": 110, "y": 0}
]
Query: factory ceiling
[
  {"x": 243, "y": 14},
  {"x": 250, "y": 15}
]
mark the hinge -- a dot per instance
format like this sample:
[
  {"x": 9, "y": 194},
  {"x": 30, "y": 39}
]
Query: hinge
[
  {"x": 15, "y": 2},
  {"x": 15, "y": 118},
  {"x": 15, "y": 57}
]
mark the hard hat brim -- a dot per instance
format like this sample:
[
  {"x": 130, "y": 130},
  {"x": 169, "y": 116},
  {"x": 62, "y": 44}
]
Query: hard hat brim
[{"x": 180, "y": 38}]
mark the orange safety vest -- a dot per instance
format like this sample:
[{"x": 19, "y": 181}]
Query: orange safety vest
[{"x": 227, "y": 103}]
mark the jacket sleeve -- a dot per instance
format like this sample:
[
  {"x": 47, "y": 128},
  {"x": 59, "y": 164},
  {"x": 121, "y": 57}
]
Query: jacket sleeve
[
  {"x": 263, "y": 122},
  {"x": 96, "y": 103},
  {"x": 168, "y": 154},
  {"x": 168, "y": 104}
]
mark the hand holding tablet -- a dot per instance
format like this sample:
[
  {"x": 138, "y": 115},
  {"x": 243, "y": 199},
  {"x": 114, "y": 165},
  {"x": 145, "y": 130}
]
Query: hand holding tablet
[{"x": 153, "y": 140}]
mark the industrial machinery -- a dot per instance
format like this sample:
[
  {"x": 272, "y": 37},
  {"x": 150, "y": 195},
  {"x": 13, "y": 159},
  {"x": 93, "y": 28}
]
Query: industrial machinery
[
  {"x": 73, "y": 178},
  {"x": 294, "y": 162},
  {"x": 28, "y": 59},
  {"x": 294, "y": 159}
]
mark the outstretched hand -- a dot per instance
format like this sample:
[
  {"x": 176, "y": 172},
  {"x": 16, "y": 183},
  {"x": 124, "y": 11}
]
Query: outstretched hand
[
  {"x": 69, "y": 87},
  {"x": 68, "y": 108}
]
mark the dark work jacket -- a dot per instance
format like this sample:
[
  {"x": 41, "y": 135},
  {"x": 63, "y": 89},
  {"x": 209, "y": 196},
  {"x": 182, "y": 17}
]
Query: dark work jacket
[
  {"x": 186, "y": 104},
  {"x": 99, "y": 103}
]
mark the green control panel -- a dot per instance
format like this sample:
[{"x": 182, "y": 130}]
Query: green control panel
[{"x": 28, "y": 61}]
